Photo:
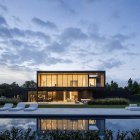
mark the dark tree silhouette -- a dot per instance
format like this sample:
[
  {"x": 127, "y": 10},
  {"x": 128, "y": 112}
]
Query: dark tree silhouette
[{"x": 29, "y": 84}]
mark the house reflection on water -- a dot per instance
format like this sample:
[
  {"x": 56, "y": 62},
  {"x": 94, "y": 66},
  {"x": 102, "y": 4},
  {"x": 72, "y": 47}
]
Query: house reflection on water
[{"x": 70, "y": 124}]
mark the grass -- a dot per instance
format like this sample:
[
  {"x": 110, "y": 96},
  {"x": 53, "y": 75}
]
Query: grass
[
  {"x": 81, "y": 106},
  {"x": 85, "y": 106}
]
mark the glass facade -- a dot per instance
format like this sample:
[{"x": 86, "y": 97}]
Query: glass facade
[
  {"x": 58, "y": 96},
  {"x": 32, "y": 96},
  {"x": 71, "y": 79}
]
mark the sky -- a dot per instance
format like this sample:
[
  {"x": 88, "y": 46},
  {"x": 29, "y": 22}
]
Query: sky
[{"x": 69, "y": 35}]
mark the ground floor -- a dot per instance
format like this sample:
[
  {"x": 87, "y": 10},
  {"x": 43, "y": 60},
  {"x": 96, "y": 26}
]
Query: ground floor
[
  {"x": 71, "y": 124},
  {"x": 58, "y": 96}
]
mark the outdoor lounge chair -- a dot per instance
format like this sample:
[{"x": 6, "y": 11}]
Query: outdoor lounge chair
[
  {"x": 6, "y": 106},
  {"x": 32, "y": 107},
  {"x": 20, "y": 106},
  {"x": 133, "y": 107}
]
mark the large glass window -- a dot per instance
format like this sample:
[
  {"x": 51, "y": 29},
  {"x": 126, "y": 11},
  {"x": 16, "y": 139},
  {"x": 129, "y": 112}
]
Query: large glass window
[
  {"x": 50, "y": 96},
  {"x": 75, "y": 80},
  {"x": 43, "y": 80},
  {"x": 54, "y": 80},
  {"x": 69, "y": 80},
  {"x": 32, "y": 96},
  {"x": 60, "y": 80},
  {"x": 92, "y": 82},
  {"x": 85, "y": 80},
  {"x": 65, "y": 80},
  {"x": 80, "y": 80},
  {"x": 49, "y": 80}
]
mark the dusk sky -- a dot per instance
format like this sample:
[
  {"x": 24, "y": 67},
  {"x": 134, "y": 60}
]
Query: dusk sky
[{"x": 69, "y": 35}]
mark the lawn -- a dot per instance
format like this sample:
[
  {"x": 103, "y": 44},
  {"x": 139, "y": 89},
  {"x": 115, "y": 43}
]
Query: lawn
[{"x": 81, "y": 106}]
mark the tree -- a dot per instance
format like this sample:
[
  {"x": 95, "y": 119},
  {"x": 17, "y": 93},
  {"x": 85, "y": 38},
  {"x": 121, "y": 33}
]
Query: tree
[
  {"x": 14, "y": 85},
  {"x": 29, "y": 84},
  {"x": 135, "y": 88},
  {"x": 130, "y": 84},
  {"x": 113, "y": 86}
]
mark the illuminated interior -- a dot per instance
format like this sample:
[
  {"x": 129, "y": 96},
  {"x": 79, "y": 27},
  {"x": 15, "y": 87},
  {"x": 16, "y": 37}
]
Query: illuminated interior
[
  {"x": 71, "y": 80},
  {"x": 57, "y": 96}
]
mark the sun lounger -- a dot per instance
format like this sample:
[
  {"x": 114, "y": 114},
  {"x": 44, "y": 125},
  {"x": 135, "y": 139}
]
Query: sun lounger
[
  {"x": 133, "y": 107},
  {"x": 32, "y": 107},
  {"x": 6, "y": 106},
  {"x": 20, "y": 106}
]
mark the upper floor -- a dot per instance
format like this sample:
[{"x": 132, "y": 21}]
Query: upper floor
[{"x": 71, "y": 78}]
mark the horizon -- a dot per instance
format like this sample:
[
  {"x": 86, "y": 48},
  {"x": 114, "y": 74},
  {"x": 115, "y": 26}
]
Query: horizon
[{"x": 67, "y": 35}]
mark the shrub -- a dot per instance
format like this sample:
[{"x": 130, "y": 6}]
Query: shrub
[
  {"x": 9, "y": 100},
  {"x": 109, "y": 101},
  {"x": 20, "y": 134}
]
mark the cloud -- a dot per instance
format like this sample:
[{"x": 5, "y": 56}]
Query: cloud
[
  {"x": 131, "y": 53},
  {"x": 114, "y": 45},
  {"x": 90, "y": 1},
  {"x": 27, "y": 56},
  {"x": 121, "y": 37},
  {"x": 110, "y": 63},
  {"x": 2, "y": 21},
  {"x": 66, "y": 7},
  {"x": 17, "y": 20},
  {"x": 115, "y": 15},
  {"x": 38, "y": 35},
  {"x": 46, "y": 24},
  {"x": 4, "y": 8},
  {"x": 73, "y": 34},
  {"x": 63, "y": 5},
  {"x": 58, "y": 47},
  {"x": 6, "y": 33}
]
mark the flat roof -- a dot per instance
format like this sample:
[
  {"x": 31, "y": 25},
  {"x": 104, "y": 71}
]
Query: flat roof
[
  {"x": 72, "y": 71},
  {"x": 97, "y": 113}
]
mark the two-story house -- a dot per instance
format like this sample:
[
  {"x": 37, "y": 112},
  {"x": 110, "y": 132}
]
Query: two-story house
[{"x": 67, "y": 86}]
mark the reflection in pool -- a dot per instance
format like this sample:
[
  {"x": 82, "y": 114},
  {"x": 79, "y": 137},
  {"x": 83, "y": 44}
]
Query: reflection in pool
[
  {"x": 112, "y": 124},
  {"x": 18, "y": 123},
  {"x": 122, "y": 124}
]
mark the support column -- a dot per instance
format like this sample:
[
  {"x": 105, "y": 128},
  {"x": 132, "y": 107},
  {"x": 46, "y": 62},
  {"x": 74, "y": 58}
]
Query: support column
[{"x": 70, "y": 95}]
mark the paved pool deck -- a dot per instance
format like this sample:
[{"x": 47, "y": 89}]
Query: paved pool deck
[{"x": 97, "y": 113}]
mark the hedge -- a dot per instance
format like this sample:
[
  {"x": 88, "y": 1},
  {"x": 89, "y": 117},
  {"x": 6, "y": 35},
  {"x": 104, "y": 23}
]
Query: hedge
[
  {"x": 9, "y": 100},
  {"x": 109, "y": 101}
]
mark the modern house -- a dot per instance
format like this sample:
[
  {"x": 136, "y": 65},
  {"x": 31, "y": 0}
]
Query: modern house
[{"x": 67, "y": 86}]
